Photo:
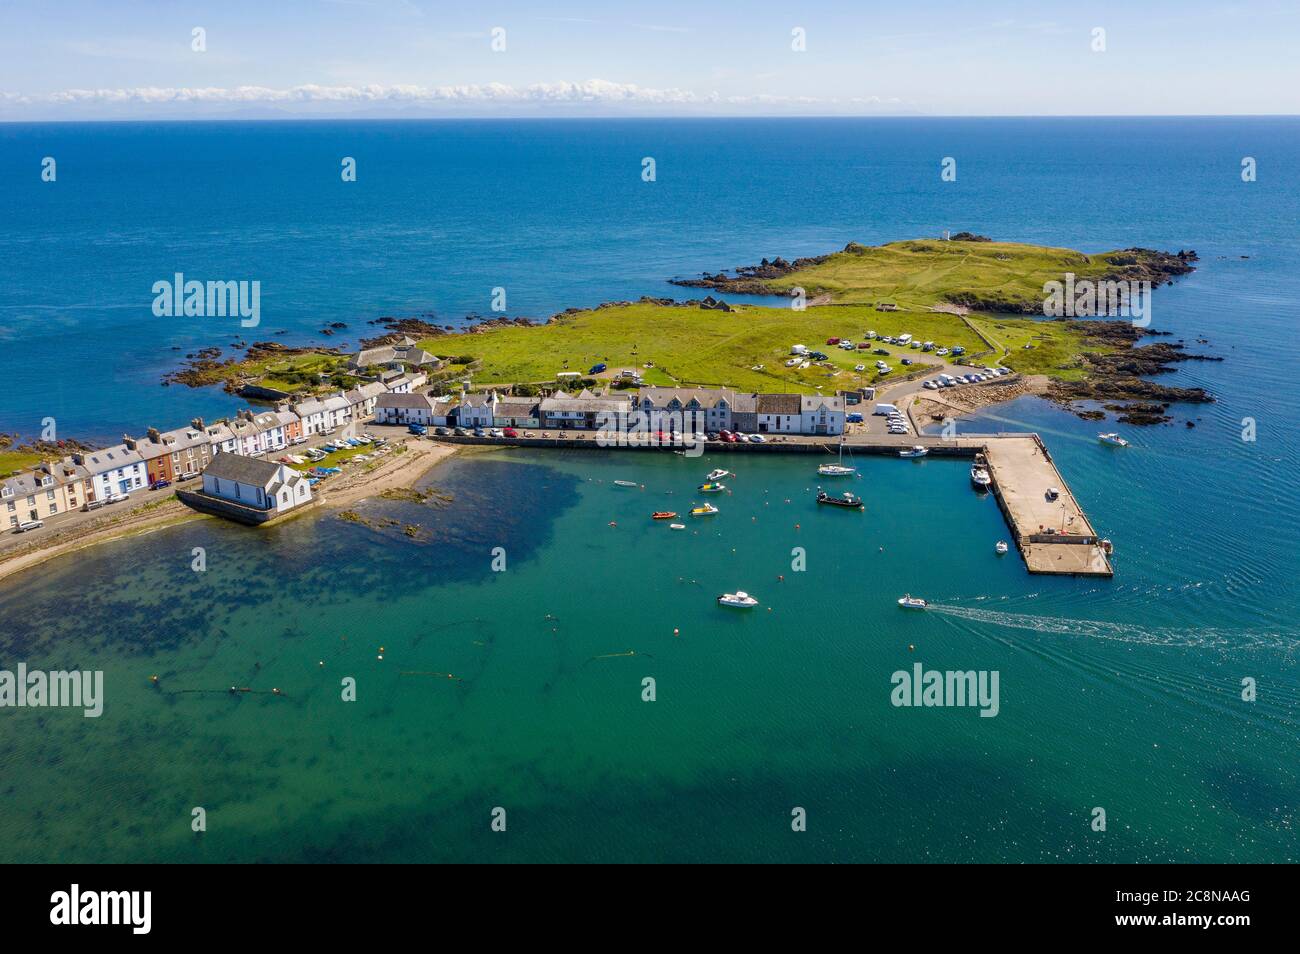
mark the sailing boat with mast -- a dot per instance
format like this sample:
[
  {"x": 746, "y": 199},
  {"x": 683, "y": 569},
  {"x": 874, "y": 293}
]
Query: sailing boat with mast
[{"x": 837, "y": 470}]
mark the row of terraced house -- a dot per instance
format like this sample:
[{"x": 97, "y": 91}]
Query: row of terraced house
[
  {"x": 672, "y": 410},
  {"x": 88, "y": 479}
]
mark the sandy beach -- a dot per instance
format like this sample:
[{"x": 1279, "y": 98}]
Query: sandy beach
[{"x": 397, "y": 470}]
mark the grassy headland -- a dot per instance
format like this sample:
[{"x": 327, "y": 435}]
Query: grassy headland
[{"x": 969, "y": 291}]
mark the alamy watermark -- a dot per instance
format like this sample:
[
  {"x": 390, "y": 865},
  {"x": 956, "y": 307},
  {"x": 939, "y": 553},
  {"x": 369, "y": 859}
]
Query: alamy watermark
[
  {"x": 58, "y": 688},
  {"x": 1085, "y": 298},
  {"x": 194, "y": 299},
  {"x": 933, "y": 687}
]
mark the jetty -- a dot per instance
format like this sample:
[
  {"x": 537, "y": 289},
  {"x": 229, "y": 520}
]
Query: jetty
[{"x": 1047, "y": 522}]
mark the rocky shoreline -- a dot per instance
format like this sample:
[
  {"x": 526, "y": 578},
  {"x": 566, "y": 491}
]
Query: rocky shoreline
[{"x": 1116, "y": 379}]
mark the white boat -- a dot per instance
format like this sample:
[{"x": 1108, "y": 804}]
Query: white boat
[
  {"x": 625, "y": 483},
  {"x": 739, "y": 599},
  {"x": 712, "y": 488},
  {"x": 676, "y": 526},
  {"x": 837, "y": 470},
  {"x": 1114, "y": 440},
  {"x": 980, "y": 478},
  {"x": 916, "y": 451},
  {"x": 1001, "y": 547},
  {"x": 912, "y": 602},
  {"x": 719, "y": 474}
]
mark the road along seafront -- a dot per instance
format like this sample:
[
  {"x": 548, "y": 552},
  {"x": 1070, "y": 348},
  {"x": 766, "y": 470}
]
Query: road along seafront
[{"x": 20, "y": 552}]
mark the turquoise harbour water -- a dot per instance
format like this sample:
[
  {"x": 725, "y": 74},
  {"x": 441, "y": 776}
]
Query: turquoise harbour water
[{"x": 1123, "y": 693}]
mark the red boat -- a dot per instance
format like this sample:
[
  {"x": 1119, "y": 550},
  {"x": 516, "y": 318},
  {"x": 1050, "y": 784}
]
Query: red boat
[{"x": 663, "y": 515}]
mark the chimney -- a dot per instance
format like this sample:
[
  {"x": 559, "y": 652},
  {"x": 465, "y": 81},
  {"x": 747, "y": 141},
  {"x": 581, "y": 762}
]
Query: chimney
[
  {"x": 198, "y": 424},
  {"x": 128, "y": 441},
  {"x": 79, "y": 459},
  {"x": 154, "y": 435}
]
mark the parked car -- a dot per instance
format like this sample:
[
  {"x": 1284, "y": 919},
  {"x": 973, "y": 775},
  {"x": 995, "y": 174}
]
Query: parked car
[
  {"x": 832, "y": 341},
  {"x": 479, "y": 432},
  {"x": 854, "y": 418},
  {"x": 597, "y": 368},
  {"x": 27, "y": 525},
  {"x": 510, "y": 432},
  {"x": 189, "y": 475},
  {"x": 442, "y": 431},
  {"x": 460, "y": 432},
  {"x": 880, "y": 351},
  {"x": 116, "y": 498},
  {"x": 729, "y": 437},
  {"x": 757, "y": 439},
  {"x": 864, "y": 345},
  {"x": 931, "y": 385},
  {"x": 818, "y": 355},
  {"x": 907, "y": 361},
  {"x": 417, "y": 429},
  {"x": 711, "y": 436}
]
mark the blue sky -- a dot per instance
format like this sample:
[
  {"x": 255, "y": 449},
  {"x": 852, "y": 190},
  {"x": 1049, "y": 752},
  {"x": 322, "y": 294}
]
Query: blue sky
[{"x": 73, "y": 59}]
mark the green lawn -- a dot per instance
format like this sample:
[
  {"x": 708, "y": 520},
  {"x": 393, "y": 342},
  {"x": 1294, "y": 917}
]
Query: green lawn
[
  {"x": 1054, "y": 349},
  {"x": 916, "y": 274},
  {"x": 299, "y": 372},
  {"x": 11, "y": 461},
  {"x": 691, "y": 346}
]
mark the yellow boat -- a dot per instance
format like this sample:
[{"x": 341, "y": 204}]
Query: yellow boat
[{"x": 703, "y": 511}]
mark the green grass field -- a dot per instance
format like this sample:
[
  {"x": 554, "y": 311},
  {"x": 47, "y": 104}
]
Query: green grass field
[
  {"x": 917, "y": 274},
  {"x": 11, "y": 461},
  {"x": 691, "y": 346}
]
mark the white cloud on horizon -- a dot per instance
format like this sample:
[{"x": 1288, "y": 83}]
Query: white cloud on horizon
[{"x": 594, "y": 91}]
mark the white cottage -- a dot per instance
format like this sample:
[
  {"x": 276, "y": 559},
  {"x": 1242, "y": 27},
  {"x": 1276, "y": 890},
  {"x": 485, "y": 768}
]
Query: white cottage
[{"x": 259, "y": 484}]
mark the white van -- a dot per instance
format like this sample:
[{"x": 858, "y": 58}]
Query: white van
[
  {"x": 904, "y": 340},
  {"x": 799, "y": 349},
  {"x": 882, "y": 409}
]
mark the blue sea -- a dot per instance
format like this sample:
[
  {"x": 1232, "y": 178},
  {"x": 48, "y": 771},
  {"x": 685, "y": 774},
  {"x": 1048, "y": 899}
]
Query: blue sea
[{"x": 1123, "y": 694}]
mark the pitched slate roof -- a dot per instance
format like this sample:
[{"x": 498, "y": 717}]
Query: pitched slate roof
[
  {"x": 245, "y": 470},
  {"x": 778, "y": 404}
]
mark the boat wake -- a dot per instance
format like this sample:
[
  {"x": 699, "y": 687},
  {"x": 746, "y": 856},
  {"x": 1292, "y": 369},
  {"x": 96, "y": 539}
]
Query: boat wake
[{"x": 1207, "y": 638}]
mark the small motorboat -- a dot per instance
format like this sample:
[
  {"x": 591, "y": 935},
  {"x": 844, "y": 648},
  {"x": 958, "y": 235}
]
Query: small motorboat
[
  {"x": 718, "y": 474},
  {"x": 676, "y": 526},
  {"x": 625, "y": 483},
  {"x": 979, "y": 478},
  {"x": 1114, "y": 440},
  {"x": 912, "y": 602},
  {"x": 704, "y": 510},
  {"x": 663, "y": 515},
  {"x": 846, "y": 500},
  {"x": 712, "y": 488},
  {"x": 916, "y": 451},
  {"x": 1001, "y": 547},
  {"x": 739, "y": 599}
]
